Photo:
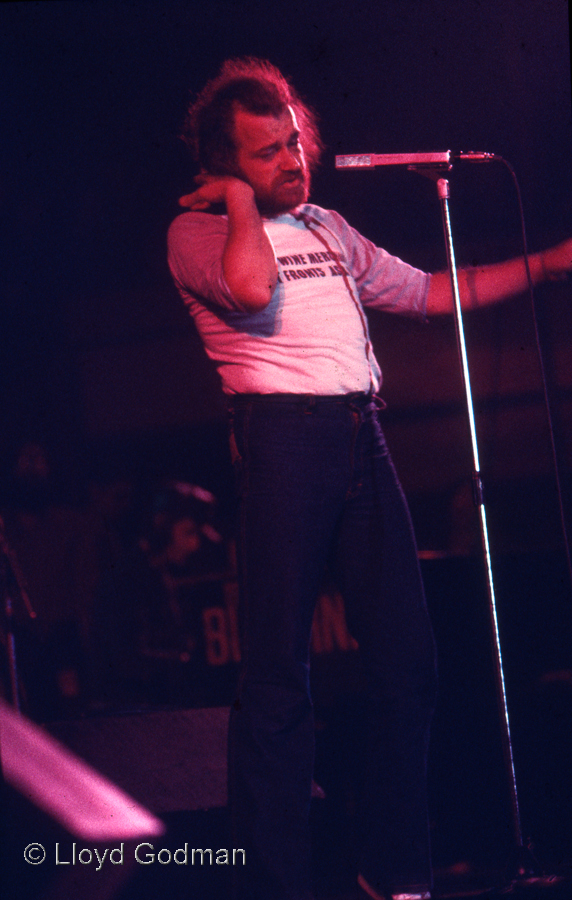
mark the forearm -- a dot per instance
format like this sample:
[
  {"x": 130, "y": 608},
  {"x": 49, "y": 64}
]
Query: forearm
[
  {"x": 484, "y": 285},
  {"x": 248, "y": 262}
]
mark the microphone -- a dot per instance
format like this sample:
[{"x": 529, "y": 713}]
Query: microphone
[{"x": 444, "y": 159}]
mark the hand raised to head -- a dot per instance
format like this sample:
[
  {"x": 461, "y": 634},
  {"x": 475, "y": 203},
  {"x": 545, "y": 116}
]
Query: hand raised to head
[{"x": 213, "y": 189}]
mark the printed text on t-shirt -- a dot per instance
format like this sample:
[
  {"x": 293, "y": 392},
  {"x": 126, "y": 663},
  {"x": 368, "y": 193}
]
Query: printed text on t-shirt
[{"x": 306, "y": 265}]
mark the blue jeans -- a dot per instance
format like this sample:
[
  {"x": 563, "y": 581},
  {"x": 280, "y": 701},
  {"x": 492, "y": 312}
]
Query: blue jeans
[{"x": 316, "y": 486}]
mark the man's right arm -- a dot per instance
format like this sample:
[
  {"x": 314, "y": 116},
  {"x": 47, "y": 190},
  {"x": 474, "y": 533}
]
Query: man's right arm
[{"x": 248, "y": 261}]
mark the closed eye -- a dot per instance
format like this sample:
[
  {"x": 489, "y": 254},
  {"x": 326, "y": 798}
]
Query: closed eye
[{"x": 268, "y": 152}]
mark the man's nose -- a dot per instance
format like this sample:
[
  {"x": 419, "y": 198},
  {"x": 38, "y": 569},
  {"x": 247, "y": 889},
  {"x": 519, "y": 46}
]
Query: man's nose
[{"x": 290, "y": 159}]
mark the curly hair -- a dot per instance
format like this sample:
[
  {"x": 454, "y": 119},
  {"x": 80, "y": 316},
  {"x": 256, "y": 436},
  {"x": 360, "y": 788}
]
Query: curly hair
[{"x": 258, "y": 87}]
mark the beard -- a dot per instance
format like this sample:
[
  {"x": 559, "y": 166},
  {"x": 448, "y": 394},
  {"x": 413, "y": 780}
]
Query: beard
[{"x": 285, "y": 195}]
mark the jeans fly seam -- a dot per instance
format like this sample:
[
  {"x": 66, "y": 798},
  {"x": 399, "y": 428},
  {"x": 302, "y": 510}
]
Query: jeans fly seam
[{"x": 356, "y": 416}]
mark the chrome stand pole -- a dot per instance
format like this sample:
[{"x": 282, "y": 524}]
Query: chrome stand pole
[{"x": 525, "y": 866}]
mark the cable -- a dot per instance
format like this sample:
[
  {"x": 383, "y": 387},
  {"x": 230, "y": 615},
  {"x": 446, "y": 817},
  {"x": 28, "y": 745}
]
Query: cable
[{"x": 542, "y": 371}]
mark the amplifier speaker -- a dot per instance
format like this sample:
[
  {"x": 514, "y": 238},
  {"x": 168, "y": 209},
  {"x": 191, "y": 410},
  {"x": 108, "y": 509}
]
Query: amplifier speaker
[{"x": 169, "y": 761}]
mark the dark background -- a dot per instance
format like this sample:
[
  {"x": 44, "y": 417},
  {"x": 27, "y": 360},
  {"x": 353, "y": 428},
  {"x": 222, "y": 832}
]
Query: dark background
[
  {"x": 103, "y": 369},
  {"x": 101, "y": 361}
]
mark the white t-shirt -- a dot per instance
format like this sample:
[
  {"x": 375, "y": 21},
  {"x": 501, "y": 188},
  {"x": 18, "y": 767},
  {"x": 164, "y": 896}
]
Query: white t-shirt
[{"x": 313, "y": 337}]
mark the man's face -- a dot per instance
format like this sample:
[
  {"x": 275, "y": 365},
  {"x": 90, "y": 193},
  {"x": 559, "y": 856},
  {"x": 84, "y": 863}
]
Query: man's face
[
  {"x": 269, "y": 157},
  {"x": 185, "y": 541}
]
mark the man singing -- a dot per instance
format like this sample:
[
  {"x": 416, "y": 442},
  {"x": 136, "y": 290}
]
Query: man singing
[{"x": 278, "y": 290}]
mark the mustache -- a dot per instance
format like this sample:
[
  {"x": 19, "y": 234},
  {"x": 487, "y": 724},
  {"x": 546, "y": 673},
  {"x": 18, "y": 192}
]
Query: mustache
[{"x": 294, "y": 177}]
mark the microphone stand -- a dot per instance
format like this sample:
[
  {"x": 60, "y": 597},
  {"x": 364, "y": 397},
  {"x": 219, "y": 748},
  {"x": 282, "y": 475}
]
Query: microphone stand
[
  {"x": 523, "y": 868},
  {"x": 12, "y": 581}
]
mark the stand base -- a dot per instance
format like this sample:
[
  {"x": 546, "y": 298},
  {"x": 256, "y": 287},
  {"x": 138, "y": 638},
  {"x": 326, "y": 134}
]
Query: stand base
[
  {"x": 522, "y": 877},
  {"x": 525, "y": 875},
  {"x": 537, "y": 882}
]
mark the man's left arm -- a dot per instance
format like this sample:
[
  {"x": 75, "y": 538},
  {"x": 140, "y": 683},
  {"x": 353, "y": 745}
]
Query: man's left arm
[{"x": 485, "y": 285}]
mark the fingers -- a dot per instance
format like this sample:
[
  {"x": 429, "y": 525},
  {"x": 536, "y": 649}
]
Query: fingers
[
  {"x": 203, "y": 196},
  {"x": 214, "y": 189},
  {"x": 194, "y": 201},
  {"x": 210, "y": 190}
]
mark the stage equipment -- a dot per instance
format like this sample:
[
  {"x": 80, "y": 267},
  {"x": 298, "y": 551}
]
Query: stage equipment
[
  {"x": 523, "y": 869},
  {"x": 57, "y": 781},
  {"x": 168, "y": 760},
  {"x": 12, "y": 588},
  {"x": 411, "y": 160},
  {"x": 88, "y": 806}
]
